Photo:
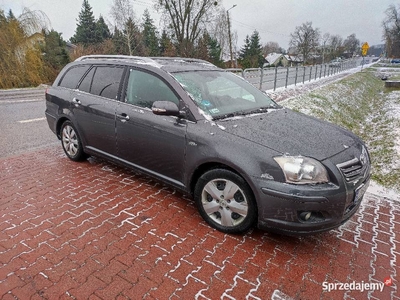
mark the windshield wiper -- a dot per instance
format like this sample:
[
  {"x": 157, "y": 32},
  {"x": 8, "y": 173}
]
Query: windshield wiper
[
  {"x": 230, "y": 115},
  {"x": 262, "y": 109}
]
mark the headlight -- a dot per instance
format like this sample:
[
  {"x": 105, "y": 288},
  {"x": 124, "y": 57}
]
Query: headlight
[{"x": 302, "y": 170}]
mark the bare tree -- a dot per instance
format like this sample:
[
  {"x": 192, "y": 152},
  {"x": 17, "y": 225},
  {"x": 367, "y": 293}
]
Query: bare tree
[
  {"x": 187, "y": 19},
  {"x": 220, "y": 32},
  {"x": 336, "y": 45},
  {"x": 306, "y": 39},
  {"x": 271, "y": 47},
  {"x": 33, "y": 21},
  {"x": 391, "y": 33},
  {"x": 21, "y": 62},
  {"x": 351, "y": 44},
  {"x": 324, "y": 41},
  {"x": 124, "y": 20}
]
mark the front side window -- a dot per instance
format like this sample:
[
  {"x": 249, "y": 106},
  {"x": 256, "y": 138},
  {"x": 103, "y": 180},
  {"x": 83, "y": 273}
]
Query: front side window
[
  {"x": 144, "y": 89},
  {"x": 222, "y": 94},
  {"x": 73, "y": 76}
]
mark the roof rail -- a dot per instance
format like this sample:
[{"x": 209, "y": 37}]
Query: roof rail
[
  {"x": 183, "y": 59},
  {"x": 126, "y": 57},
  {"x": 157, "y": 61}
]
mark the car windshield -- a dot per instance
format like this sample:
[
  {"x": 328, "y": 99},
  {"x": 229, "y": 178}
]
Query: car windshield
[{"x": 223, "y": 94}]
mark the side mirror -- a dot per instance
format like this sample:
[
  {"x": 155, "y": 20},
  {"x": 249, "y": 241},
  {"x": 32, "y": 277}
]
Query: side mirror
[{"x": 166, "y": 108}]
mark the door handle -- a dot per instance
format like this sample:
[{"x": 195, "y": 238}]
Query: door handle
[{"x": 123, "y": 117}]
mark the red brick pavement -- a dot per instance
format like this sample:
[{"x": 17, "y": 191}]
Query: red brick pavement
[{"x": 93, "y": 230}]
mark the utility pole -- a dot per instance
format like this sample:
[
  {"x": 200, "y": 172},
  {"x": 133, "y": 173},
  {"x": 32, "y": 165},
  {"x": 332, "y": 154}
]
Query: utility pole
[{"x": 230, "y": 36}]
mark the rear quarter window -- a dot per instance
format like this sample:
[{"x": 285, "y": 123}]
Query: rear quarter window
[
  {"x": 106, "y": 81},
  {"x": 73, "y": 76}
]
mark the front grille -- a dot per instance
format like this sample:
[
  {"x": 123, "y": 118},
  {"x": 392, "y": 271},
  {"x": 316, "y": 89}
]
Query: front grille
[
  {"x": 355, "y": 168},
  {"x": 351, "y": 169}
]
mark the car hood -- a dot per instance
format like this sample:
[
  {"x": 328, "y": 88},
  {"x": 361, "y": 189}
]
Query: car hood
[{"x": 290, "y": 132}]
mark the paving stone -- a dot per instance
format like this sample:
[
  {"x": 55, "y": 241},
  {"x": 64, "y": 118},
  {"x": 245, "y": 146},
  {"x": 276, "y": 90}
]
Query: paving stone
[{"x": 94, "y": 230}]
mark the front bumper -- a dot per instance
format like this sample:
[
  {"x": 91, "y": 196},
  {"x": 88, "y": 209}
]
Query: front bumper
[{"x": 283, "y": 212}]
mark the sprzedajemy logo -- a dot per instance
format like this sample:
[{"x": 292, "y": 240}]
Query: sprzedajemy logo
[{"x": 356, "y": 286}]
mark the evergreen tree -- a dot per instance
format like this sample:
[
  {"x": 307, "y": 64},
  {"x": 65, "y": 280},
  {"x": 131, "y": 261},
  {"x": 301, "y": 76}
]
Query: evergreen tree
[
  {"x": 167, "y": 48},
  {"x": 54, "y": 52},
  {"x": 133, "y": 38},
  {"x": 244, "y": 52},
  {"x": 201, "y": 49},
  {"x": 11, "y": 15},
  {"x": 119, "y": 42},
  {"x": 209, "y": 49},
  {"x": 102, "y": 30},
  {"x": 256, "y": 50},
  {"x": 214, "y": 52},
  {"x": 149, "y": 33},
  {"x": 251, "y": 54},
  {"x": 85, "y": 32}
]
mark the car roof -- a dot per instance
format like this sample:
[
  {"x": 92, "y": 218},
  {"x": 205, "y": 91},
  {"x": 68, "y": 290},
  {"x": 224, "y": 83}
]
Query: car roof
[{"x": 168, "y": 64}]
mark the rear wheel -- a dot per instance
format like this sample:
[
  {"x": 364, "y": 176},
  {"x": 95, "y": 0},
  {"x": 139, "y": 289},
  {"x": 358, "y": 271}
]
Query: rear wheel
[
  {"x": 71, "y": 142},
  {"x": 225, "y": 201}
]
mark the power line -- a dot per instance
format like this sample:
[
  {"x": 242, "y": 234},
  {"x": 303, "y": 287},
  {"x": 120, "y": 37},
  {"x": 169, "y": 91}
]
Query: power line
[
  {"x": 262, "y": 30},
  {"x": 143, "y": 3}
]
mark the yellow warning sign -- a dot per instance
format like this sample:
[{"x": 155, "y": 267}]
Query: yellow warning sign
[{"x": 364, "y": 49}]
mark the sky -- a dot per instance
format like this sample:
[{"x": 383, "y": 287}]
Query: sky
[{"x": 275, "y": 20}]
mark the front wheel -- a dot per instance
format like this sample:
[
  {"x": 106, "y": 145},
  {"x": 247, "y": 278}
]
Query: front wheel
[
  {"x": 225, "y": 201},
  {"x": 71, "y": 142}
]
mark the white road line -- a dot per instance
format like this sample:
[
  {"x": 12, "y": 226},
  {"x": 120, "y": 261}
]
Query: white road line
[
  {"x": 32, "y": 120},
  {"x": 20, "y": 101}
]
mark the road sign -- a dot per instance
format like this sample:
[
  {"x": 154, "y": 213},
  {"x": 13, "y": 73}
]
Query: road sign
[{"x": 364, "y": 49}]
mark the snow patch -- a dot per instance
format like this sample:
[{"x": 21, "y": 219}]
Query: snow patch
[{"x": 376, "y": 189}]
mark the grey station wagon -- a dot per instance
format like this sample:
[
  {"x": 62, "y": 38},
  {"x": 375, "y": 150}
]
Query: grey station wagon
[{"x": 245, "y": 159}]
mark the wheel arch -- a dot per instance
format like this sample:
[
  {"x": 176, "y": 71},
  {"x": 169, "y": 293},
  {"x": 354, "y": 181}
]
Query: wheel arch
[
  {"x": 60, "y": 121},
  {"x": 207, "y": 166},
  {"x": 208, "y": 173}
]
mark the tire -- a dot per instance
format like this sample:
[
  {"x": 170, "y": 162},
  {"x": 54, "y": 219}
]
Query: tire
[
  {"x": 225, "y": 201},
  {"x": 71, "y": 142}
]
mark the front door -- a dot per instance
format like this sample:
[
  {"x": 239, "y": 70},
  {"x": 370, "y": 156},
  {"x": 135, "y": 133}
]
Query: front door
[{"x": 155, "y": 144}]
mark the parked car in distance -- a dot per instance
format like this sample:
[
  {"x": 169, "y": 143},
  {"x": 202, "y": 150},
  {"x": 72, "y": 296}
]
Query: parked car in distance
[
  {"x": 335, "y": 63},
  {"x": 245, "y": 159},
  {"x": 395, "y": 61}
]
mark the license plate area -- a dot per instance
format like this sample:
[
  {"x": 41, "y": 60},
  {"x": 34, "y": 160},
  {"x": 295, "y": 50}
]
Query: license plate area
[{"x": 360, "y": 192}]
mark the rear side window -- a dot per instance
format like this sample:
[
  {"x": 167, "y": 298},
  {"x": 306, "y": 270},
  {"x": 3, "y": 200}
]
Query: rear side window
[
  {"x": 87, "y": 81},
  {"x": 72, "y": 76},
  {"x": 106, "y": 81}
]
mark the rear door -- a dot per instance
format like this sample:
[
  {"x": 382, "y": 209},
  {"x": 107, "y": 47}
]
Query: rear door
[
  {"x": 94, "y": 107},
  {"x": 156, "y": 144}
]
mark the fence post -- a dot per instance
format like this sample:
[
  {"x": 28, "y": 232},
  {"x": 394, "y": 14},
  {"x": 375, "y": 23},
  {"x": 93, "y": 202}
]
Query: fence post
[
  {"x": 310, "y": 73},
  {"x": 320, "y": 72},
  {"x": 316, "y": 72},
  {"x": 304, "y": 73},
  {"x": 287, "y": 76},
  {"x": 295, "y": 78},
  {"x": 276, "y": 72},
  {"x": 261, "y": 78}
]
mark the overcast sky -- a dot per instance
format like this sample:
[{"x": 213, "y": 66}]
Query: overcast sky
[{"x": 275, "y": 20}]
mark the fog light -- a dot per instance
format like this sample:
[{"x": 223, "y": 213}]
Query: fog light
[{"x": 305, "y": 215}]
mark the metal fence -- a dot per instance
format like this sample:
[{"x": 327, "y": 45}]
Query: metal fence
[{"x": 271, "y": 78}]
